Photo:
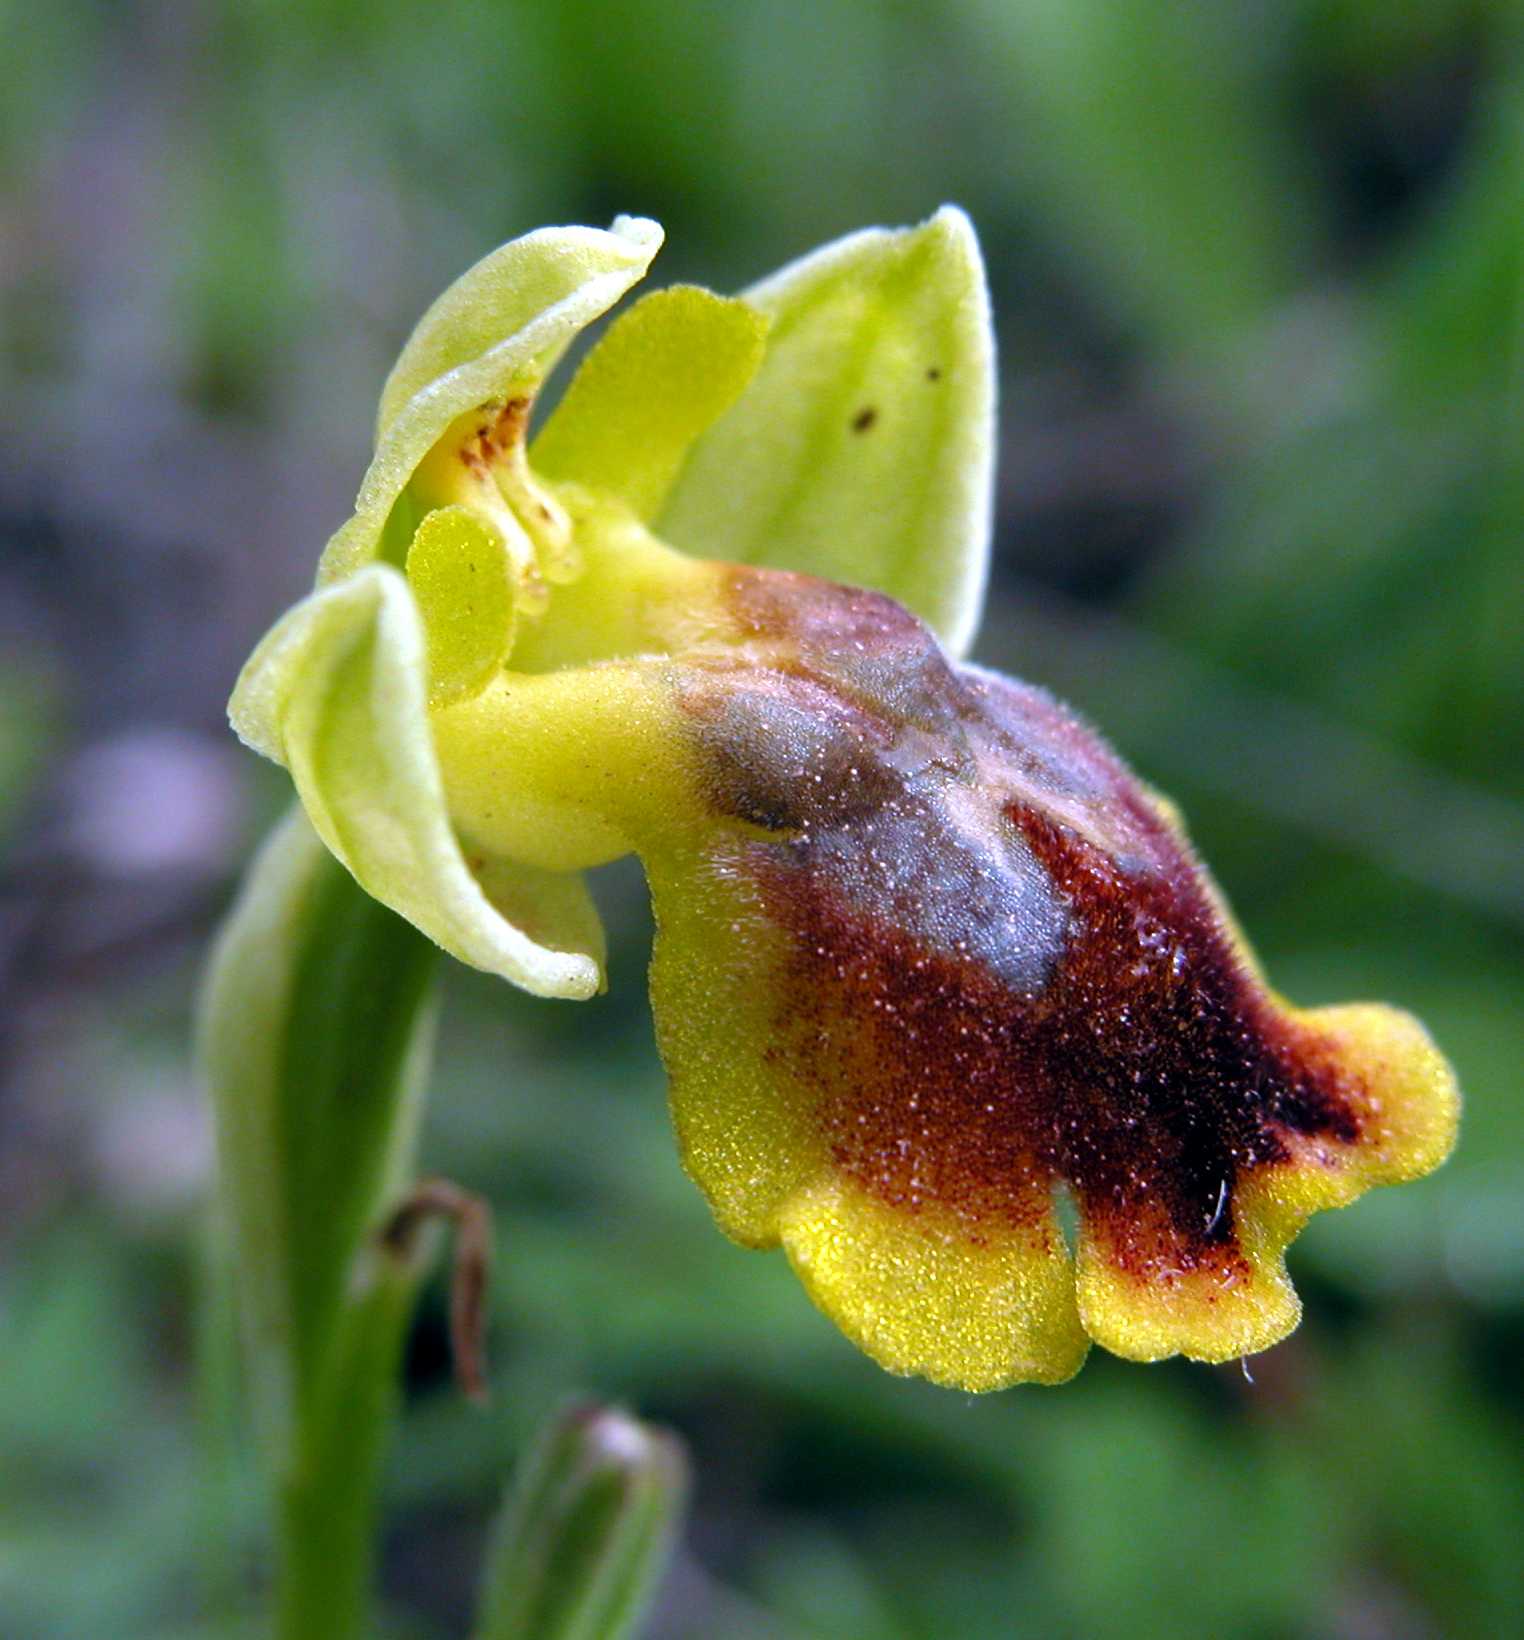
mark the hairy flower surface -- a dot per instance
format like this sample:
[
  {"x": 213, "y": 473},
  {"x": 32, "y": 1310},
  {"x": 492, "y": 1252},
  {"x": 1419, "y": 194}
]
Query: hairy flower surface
[{"x": 929, "y": 959}]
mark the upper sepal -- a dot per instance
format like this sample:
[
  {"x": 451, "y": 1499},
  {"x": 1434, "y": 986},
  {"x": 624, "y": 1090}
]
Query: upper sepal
[
  {"x": 494, "y": 334},
  {"x": 337, "y": 693},
  {"x": 863, "y": 452}
]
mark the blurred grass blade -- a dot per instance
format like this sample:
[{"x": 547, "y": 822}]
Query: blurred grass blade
[
  {"x": 1159, "y": 152},
  {"x": 587, "y": 1530}
]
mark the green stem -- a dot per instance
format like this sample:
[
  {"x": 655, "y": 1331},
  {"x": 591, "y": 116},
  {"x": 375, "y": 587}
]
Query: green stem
[
  {"x": 328, "y": 1501},
  {"x": 326, "y": 1560}
]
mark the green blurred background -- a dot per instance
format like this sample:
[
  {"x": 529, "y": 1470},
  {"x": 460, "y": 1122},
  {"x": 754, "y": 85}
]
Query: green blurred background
[{"x": 1259, "y": 277}]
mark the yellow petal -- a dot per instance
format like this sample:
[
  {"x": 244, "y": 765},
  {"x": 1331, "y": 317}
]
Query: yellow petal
[{"x": 936, "y": 955}]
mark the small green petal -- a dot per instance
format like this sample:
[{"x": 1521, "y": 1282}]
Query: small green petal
[
  {"x": 864, "y": 450},
  {"x": 496, "y": 332},
  {"x": 336, "y": 693},
  {"x": 458, "y": 569},
  {"x": 666, "y": 369}
]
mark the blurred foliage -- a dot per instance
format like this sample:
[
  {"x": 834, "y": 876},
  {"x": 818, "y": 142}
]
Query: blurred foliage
[{"x": 1259, "y": 273}]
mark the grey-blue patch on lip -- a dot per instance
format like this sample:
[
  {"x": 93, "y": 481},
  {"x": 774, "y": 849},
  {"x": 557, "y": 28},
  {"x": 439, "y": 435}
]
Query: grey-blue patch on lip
[
  {"x": 790, "y": 752},
  {"x": 893, "y": 803},
  {"x": 955, "y": 886}
]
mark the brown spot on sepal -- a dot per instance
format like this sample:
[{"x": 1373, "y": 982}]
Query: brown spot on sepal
[{"x": 1005, "y": 971}]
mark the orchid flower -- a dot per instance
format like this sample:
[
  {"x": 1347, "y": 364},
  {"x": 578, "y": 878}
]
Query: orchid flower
[{"x": 930, "y": 963}]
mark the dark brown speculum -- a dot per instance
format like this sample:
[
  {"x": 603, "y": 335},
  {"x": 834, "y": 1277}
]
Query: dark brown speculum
[{"x": 1005, "y": 972}]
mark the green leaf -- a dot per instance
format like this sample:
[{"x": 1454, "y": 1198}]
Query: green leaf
[
  {"x": 336, "y": 692},
  {"x": 864, "y": 450},
  {"x": 587, "y": 1531},
  {"x": 666, "y": 369},
  {"x": 496, "y": 332},
  {"x": 315, "y": 1032}
]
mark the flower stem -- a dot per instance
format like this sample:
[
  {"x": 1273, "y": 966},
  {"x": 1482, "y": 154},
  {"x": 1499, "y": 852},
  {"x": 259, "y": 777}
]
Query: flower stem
[
  {"x": 326, "y": 1558},
  {"x": 328, "y": 1504}
]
